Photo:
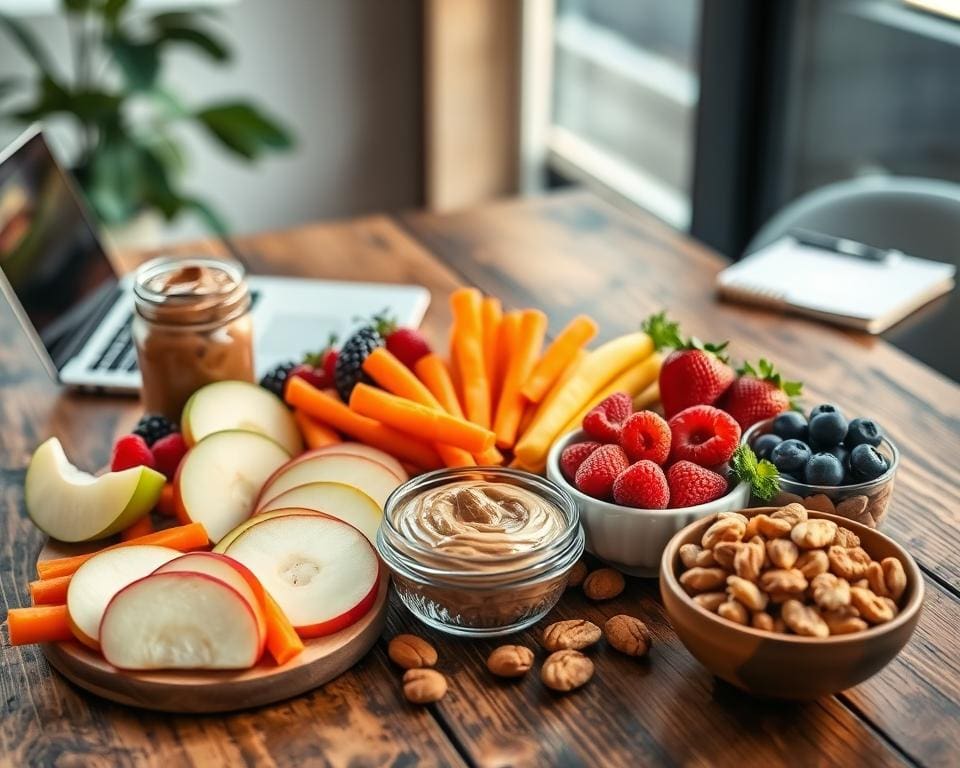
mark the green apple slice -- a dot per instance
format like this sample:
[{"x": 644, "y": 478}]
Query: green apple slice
[
  {"x": 227, "y": 405},
  {"x": 71, "y": 505}
]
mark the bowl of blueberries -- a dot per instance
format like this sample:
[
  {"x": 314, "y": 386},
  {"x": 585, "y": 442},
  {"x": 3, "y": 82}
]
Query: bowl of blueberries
[{"x": 829, "y": 463}]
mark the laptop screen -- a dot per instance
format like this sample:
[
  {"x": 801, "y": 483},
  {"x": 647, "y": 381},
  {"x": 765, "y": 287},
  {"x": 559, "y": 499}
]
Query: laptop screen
[{"x": 49, "y": 252}]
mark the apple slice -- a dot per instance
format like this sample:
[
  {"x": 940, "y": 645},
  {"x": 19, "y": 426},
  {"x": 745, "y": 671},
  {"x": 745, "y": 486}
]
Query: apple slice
[
  {"x": 100, "y": 578},
  {"x": 228, "y": 405},
  {"x": 219, "y": 477},
  {"x": 338, "y": 500},
  {"x": 224, "y": 544},
  {"x": 322, "y": 572},
  {"x": 366, "y": 475},
  {"x": 180, "y": 621},
  {"x": 359, "y": 449},
  {"x": 70, "y": 505},
  {"x": 229, "y": 571}
]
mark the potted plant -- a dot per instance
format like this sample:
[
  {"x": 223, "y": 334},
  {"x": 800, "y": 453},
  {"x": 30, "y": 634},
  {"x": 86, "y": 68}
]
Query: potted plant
[{"x": 130, "y": 161}]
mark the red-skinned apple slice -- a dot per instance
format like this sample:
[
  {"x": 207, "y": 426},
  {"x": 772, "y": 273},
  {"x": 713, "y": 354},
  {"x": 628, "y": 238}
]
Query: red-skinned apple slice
[
  {"x": 228, "y": 570},
  {"x": 100, "y": 578},
  {"x": 367, "y": 475},
  {"x": 224, "y": 544},
  {"x": 219, "y": 477},
  {"x": 338, "y": 500},
  {"x": 359, "y": 449},
  {"x": 323, "y": 572}
]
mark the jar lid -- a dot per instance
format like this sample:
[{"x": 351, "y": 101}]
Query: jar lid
[{"x": 190, "y": 291}]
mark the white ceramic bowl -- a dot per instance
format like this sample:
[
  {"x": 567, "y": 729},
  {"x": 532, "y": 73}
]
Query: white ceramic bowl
[{"x": 632, "y": 540}]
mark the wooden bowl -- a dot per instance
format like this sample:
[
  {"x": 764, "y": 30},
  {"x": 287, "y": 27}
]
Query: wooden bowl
[{"x": 789, "y": 666}]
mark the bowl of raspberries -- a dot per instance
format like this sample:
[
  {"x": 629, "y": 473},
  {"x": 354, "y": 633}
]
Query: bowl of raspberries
[
  {"x": 828, "y": 462},
  {"x": 638, "y": 478}
]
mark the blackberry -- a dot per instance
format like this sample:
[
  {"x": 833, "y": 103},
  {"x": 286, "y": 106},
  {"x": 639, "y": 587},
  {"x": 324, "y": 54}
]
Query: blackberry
[
  {"x": 152, "y": 427},
  {"x": 348, "y": 371},
  {"x": 276, "y": 378}
]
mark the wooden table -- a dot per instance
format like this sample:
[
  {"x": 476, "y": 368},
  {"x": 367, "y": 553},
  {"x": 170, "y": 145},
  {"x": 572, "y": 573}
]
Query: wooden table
[{"x": 568, "y": 253}]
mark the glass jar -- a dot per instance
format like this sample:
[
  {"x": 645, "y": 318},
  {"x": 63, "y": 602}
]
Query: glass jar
[
  {"x": 192, "y": 327},
  {"x": 479, "y": 593}
]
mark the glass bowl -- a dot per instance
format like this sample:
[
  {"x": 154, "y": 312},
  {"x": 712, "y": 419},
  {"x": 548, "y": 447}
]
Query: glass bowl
[
  {"x": 864, "y": 503},
  {"x": 509, "y": 593}
]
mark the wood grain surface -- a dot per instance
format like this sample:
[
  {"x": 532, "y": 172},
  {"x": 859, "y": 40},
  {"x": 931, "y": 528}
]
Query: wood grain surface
[{"x": 565, "y": 254}]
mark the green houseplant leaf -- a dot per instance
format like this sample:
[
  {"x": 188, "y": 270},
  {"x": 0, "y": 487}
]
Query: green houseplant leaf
[
  {"x": 244, "y": 129},
  {"x": 29, "y": 45}
]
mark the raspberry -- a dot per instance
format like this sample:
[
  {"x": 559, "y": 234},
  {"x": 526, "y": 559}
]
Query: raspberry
[
  {"x": 604, "y": 422},
  {"x": 167, "y": 453},
  {"x": 573, "y": 456},
  {"x": 646, "y": 435},
  {"x": 704, "y": 435},
  {"x": 596, "y": 474},
  {"x": 691, "y": 484},
  {"x": 408, "y": 345},
  {"x": 131, "y": 451},
  {"x": 642, "y": 485}
]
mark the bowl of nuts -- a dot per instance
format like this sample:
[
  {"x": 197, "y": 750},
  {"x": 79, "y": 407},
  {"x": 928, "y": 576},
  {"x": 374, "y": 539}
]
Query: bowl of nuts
[{"x": 787, "y": 602}]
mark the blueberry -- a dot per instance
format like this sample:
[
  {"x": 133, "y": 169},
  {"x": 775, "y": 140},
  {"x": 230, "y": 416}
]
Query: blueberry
[
  {"x": 790, "y": 455},
  {"x": 863, "y": 432},
  {"x": 827, "y": 429},
  {"x": 823, "y": 469},
  {"x": 823, "y": 408},
  {"x": 842, "y": 454},
  {"x": 790, "y": 425},
  {"x": 764, "y": 444},
  {"x": 867, "y": 463}
]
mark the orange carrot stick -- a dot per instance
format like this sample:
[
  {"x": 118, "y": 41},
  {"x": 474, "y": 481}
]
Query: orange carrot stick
[
  {"x": 466, "y": 304},
  {"x": 506, "y": 341},
  {"x": 413, "y": 418},
  {"x": 283, "y": 642},
  {"x": 49, "y": 591},
  {"x": 490, "y": 458},
  {"x": 433, "y": 372},
  {"x": 332, "y": 412},
  {"x": 526, "y": 418},
  {"x": 523, "y": 356},
  {"x": 141, "y": 527},
  {"x": 491, "y": 315},
  {"x": 315, "y": 434},
  {"x": 165, "y": 504},
  {"x": 39, "y": 624},
  {"x": 558, "y": 356},
  {"x": 183, "y": 538},
  {"x": 385, "y": 369}
]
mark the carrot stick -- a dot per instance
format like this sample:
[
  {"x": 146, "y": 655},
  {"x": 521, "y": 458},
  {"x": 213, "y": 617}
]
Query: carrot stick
[
  {"x": 413, "y": 418},
  {"x": 526, "y": 418},
  {"x": 283, "y": 642},
  {"x": 465, "y": 304},
  {"x": 433, "y": 372},
  {"x": 182, "y": 538},
  {"x": 558, "y": 356},
  {"x": 491, "y": 315},
  {"x": 523, "y": 356},
  {"x": 141, "y": 527},
  {"x": 39, "y": 624},
  {"x": 332, "y": 412},
  {"x": 165, "y": 504},
  {"x": 315, "y": 434},
  {"x": 490, "y": 458},
  {"x": 49, "y": 591}
]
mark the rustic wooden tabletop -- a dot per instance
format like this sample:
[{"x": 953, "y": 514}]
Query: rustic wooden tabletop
[{"x": 567, "y": 254}]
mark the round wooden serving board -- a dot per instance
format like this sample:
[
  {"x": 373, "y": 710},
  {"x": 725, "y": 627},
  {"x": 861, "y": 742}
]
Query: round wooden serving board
[{"x": 219, "y": 691}]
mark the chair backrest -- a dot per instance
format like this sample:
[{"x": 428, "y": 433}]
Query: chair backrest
[{"x": 920, "y": 217}]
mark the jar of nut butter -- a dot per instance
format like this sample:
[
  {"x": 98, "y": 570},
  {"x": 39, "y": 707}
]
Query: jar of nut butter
[{"x": 192, "y": 327}]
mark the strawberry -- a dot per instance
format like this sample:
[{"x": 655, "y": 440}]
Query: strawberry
[
  {"x": 330, "y": 364},
  {"x": 317, "y": 367},
  {"x": 131, "y": 451},
  {"x": 759, "y": 393},
  {"x": 704, "y": 435},
  {"x": 408, "y": 345},
  {"x": 573, "y": 456},
  {"x": 690, "y": 484},
  {"x": 596, "y": 474},
  {"x": 167, "y": 453},
  {"x": 646, "y": 435},
  {"x": 317, "y": 377},
  {"x": 642, "y": 485},
  {"x": 604, "y": 422},
  {"x": 694, "y": 373}
]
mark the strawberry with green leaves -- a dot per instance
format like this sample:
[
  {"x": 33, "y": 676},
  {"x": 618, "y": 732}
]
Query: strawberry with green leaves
[
  {"x": 758, "y": 393},
  {"x": 694, "y": 373}
]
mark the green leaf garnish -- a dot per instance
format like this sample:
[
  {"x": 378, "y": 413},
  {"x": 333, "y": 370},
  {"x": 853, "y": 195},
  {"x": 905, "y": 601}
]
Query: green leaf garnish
[
  {"x": 762, "y": 475},
  {"x": 765, "y": 371},
  {"x": 665, "y": 334}
]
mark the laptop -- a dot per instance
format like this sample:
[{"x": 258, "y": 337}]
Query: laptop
[{"x": 76, "y": 309}]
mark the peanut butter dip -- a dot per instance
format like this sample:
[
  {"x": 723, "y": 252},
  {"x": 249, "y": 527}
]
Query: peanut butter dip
[{"x": 475, "y": 522}]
